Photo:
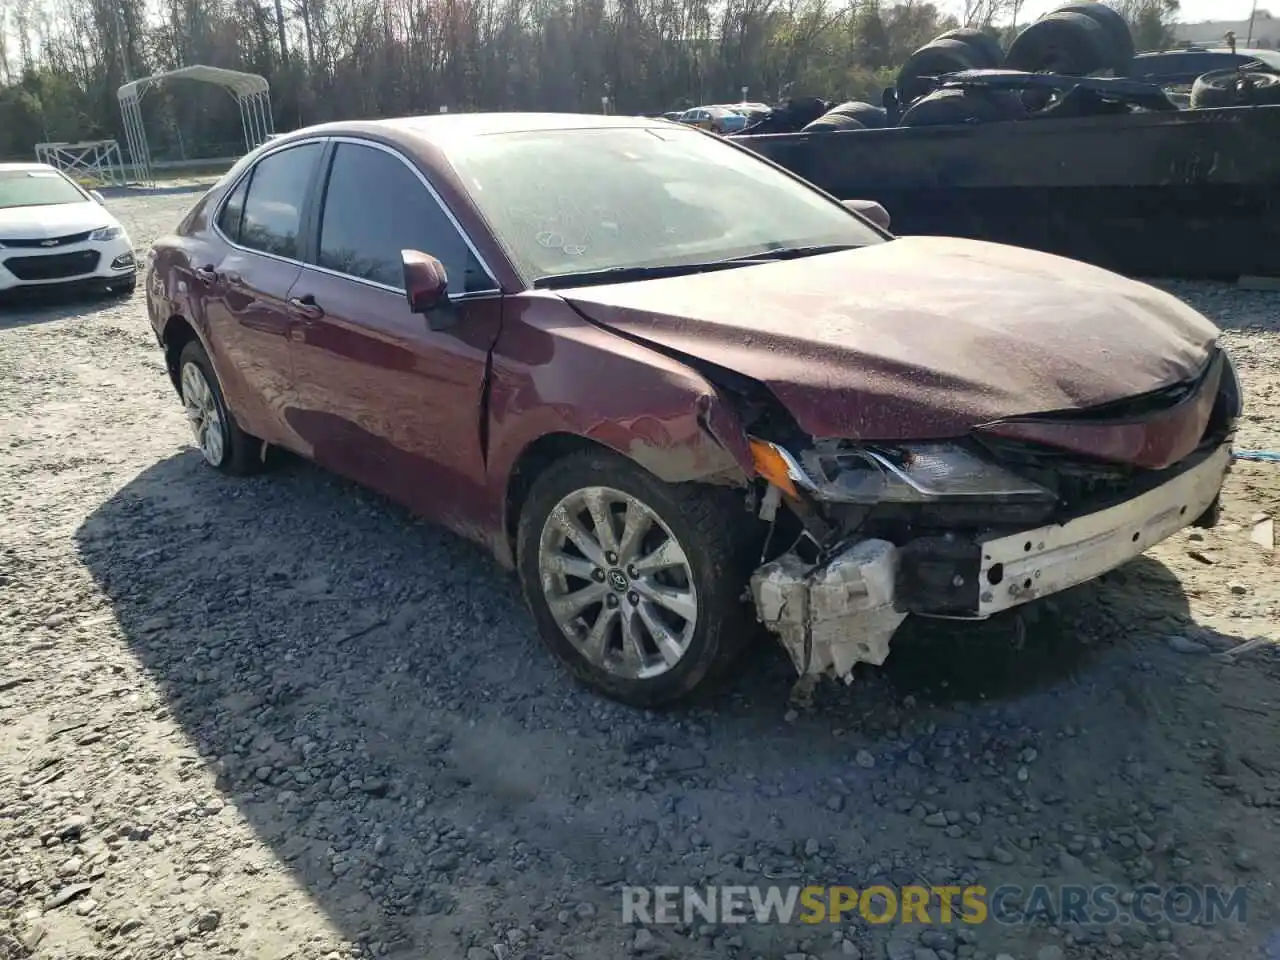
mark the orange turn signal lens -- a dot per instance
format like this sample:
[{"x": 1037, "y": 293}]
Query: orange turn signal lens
[{"x": 770, "y": 465}]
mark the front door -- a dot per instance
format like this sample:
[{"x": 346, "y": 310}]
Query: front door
[{"x": 379, "y": 395}]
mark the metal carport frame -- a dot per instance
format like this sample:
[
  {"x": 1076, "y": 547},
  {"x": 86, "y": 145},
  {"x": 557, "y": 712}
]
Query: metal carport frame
[{"x": 252, "y": 94}]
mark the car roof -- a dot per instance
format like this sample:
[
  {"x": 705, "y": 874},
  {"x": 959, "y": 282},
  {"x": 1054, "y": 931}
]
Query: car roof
[
  {"x": 441, "y": 128},
  {"x": 1220, "y": 54},
  {"x": 24, "y": 167},
  {"x": 1244, "y": 53}
]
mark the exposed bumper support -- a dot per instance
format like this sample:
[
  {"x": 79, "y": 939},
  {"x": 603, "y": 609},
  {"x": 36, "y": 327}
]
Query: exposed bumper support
[
  {"x": 831, "y": 616},
  {"x": 1036, "y": 563}
]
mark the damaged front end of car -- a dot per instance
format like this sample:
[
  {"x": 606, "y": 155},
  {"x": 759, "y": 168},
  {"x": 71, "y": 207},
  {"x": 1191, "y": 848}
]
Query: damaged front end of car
[{"x": 863, "y": 534}]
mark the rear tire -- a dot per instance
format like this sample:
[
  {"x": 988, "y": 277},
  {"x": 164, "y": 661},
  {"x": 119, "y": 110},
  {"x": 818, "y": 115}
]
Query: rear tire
[
  {"x": 221, "y": 442},
  {"x": 592, "y": 592}
]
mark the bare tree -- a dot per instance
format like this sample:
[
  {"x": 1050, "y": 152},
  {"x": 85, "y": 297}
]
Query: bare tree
[
  {"x": 342, "y": 58},
  {"x": 985, "y": 13}
]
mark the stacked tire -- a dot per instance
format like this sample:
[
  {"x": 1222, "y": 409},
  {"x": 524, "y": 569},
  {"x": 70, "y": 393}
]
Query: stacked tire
[
  {"x": 952, "y": 52},
  {"x": 1235, "y": 88},
  {"x": 1076, "y": 39},
  {"x": 851, "y": 115},
  {"x": 956, "y": 105}
]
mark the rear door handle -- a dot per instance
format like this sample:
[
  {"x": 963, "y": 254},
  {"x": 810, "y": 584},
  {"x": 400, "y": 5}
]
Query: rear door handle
[
  {"x": 206, "y": 274},
  {"x": 306, "y": 307}
]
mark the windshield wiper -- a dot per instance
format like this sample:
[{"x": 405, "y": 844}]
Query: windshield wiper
[
  {"x": 794, "y": 253},
  {"x": 629, "y": 274}
]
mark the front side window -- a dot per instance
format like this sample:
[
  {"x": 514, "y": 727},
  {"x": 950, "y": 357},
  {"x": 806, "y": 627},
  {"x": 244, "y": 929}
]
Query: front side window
[
  {"x": 565, "y": 202},
  {"x": 272, "y": 216},
  {"x": 374, "y": 207},
  {"x": 37, "y": 188}
]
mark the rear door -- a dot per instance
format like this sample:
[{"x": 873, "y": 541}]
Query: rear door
[
  {"x": 247, "y": 282},
  {"x": 380, "y": 396}
]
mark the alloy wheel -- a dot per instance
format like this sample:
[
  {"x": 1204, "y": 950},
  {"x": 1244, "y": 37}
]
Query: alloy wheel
[
  {"x": 203, "y": 414},
  {"x": 618, "y": 582}
]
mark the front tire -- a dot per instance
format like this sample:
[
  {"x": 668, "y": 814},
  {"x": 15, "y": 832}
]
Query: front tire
[
  {"x": 221, "y": 442},
  {"x": 636, "y": 585}
]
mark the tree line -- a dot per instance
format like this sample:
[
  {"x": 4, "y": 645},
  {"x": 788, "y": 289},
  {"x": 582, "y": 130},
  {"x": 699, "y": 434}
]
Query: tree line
[{"x": 336, "y": 59}]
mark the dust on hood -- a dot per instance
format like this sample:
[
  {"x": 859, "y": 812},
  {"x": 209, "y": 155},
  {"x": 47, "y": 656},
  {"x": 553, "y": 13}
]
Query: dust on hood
[{"x": 920, "y": 337}]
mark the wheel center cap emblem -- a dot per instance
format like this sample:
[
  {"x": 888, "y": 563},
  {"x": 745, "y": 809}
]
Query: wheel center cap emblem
[{"x": 618, "y": 580}]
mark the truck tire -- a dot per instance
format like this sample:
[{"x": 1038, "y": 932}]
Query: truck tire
[
  {"x": 986, "y": 49},
  {"x": 1067, "y": 43},
  {"x": 955, "y": 106},
  {"x": 932, "y": 60},
  {"x": 1261, "y": 89},
  {"x": 832, "y": 121},
  {"x": 1234, "y": 88},
  {"x": 870, "y": 116},
  {"x": 1114, "y": 26}
]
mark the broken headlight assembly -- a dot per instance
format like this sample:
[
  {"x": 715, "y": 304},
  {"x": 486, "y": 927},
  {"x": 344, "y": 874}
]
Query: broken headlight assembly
[{"x": 924, "y": 472}]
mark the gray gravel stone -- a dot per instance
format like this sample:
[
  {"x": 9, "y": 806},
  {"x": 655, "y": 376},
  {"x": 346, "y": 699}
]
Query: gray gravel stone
[{"x": 1181, "y": 644}]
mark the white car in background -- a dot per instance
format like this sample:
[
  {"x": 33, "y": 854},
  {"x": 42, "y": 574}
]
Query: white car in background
[{"x": 54, "y": 233}]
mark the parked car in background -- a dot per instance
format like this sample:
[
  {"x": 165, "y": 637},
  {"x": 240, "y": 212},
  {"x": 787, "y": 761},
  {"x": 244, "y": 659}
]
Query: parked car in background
[
  {"x": 54, "y": 233},
  {"x": 1179, "y": 67},
  {"x": 717, "y": 119},
  {"x": 712, "y": 394},
  {"x": 752, "y": 111}
]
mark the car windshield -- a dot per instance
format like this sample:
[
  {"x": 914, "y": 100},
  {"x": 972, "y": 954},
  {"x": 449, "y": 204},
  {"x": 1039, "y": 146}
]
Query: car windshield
[
  {"x": 36, "y": 188},
  {"x": 575, "y": 201}
]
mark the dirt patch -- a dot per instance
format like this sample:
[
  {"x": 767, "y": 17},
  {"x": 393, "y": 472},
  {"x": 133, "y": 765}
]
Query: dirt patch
[{"x": 280, "y": 718}]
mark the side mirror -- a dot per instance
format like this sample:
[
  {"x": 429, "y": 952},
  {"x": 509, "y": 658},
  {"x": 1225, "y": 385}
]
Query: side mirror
[
  {"x": 426, "y": 284},
  {"x": 98, "y": 198},
  {"x": 871, "y": 210}
]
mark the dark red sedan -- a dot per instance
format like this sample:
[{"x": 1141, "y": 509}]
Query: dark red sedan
[{"x": 679, "y": 389}]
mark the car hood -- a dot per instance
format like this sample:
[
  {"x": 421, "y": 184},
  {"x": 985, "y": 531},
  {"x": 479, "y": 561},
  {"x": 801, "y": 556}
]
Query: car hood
[
  {"x": 53, "y": 220},
  {"x": 919, "y": 337}
]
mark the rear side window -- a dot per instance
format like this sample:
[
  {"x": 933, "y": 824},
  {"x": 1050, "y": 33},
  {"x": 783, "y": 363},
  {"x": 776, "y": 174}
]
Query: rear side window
[
  {"x": 271, "y": 220},
  {"x": 232, "y": 210},
  {"x": 374, "y": 207}
]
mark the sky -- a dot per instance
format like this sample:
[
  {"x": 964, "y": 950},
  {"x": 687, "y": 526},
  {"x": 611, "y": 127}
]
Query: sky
[{"x": 1192, "y": 10}]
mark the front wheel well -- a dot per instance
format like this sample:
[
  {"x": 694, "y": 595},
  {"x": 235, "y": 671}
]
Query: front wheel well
[
  {"x": 178, "y": 332},
  {"x": 535, "y": 458}
]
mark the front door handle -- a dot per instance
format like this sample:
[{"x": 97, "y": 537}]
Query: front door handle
[
  {"x": 206, "y": 275},
  {"x": 306, "y": 307}
]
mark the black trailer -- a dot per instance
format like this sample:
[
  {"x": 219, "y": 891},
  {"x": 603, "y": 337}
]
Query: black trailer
[{"x": 1161, "y": 193}]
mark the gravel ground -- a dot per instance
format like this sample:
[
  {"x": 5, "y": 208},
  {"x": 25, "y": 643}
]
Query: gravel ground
[{"x": 280, "y": 718}]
